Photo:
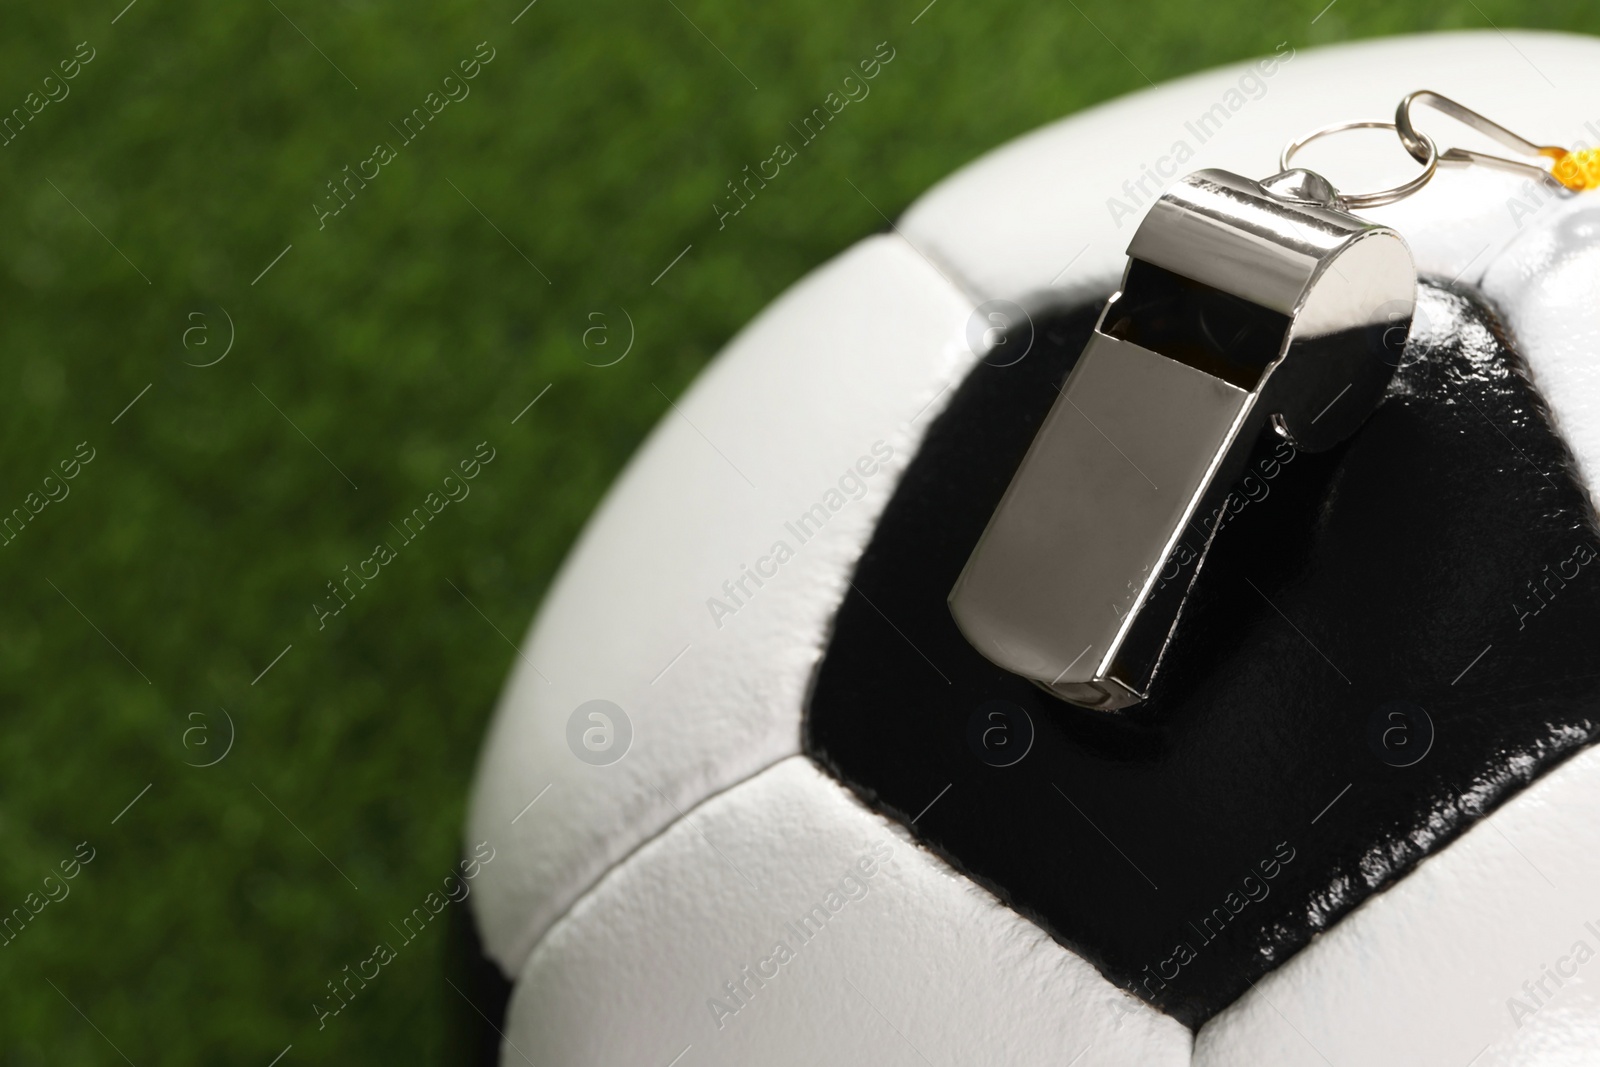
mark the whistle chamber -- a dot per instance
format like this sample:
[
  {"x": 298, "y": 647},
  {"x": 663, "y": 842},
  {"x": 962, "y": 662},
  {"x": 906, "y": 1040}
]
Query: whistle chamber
[{"x": 1245, "y": 305}]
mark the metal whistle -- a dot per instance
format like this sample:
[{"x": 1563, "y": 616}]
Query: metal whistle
[{"x": 1244, "y": 305}]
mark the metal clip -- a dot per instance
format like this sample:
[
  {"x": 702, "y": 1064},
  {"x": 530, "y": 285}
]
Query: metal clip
[{"x": 1420, "y": 147}]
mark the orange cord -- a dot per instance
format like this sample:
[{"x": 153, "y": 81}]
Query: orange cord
[{"x": 1578, "y": 170}]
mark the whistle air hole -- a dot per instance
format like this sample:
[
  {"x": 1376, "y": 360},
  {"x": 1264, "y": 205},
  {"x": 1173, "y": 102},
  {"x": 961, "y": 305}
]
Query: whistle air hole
[{"x": 1196, "y": 324}]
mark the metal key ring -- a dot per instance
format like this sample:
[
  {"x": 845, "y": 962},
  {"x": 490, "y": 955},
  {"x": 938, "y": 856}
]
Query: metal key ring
[{"x": 1430, "y": 164}]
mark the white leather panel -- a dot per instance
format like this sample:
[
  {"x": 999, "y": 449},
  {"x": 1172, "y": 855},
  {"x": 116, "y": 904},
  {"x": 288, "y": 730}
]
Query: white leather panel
[
  {"x": 1432, "y": 970},
  {"x": 902, "y": 961},
  {"x": 854, "y": 357},
  {"x": 1547, "y": 289}
]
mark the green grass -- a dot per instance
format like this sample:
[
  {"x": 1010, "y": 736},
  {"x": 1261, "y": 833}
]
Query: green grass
[{"x": 396, "y": 338}]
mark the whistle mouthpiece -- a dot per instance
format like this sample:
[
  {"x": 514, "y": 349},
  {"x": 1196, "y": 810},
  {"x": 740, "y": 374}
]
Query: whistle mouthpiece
[{"x": 1246, "y": 307}]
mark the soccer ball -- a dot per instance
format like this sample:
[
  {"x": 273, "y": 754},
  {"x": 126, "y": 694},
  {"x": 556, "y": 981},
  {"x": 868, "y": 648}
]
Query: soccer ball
[{"x": 753, "y": 804}]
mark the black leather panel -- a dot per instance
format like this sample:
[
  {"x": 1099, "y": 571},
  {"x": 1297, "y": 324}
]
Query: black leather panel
[{"x": 1385, "y": 641}]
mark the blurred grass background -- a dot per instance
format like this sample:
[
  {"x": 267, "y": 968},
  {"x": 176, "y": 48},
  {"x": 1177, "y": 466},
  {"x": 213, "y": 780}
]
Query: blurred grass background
[{"x": 189, "y": 552}]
